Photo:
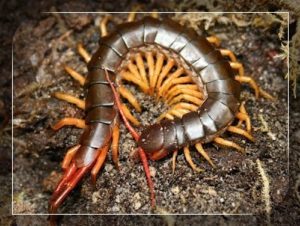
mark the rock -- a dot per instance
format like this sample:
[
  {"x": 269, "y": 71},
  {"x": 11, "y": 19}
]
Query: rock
[
  {"x": 137, "y": 205},
  {"x": 152, "y": 171},
  {"x": 175, "y": 190},
  {"x": 95, "y": 196}
]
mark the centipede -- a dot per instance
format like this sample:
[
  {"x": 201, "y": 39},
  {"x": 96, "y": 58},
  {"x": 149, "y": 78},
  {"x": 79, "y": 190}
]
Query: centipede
[{"x": 198, "y": 80}]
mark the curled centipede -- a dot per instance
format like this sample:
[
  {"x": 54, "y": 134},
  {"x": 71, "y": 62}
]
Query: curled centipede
[{"x": 199, "y": 82}]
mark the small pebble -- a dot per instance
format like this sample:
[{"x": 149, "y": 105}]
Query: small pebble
[
  {"x": 183, "y": 199},
  {"x": 108, "y": 167},
  {"x": 175, "y": 190},
  {"x": 117, "y": 199},
  {"x": 152, "y": 171},
  {"x": 137, "y": 196},
  {"x": 34, "y": 59},
  {"x": 95, "y": 196},
  {"x": 115, "y": 209},
  {"x": 137, "y": 205},
  {"x": 212, "y": 191}
]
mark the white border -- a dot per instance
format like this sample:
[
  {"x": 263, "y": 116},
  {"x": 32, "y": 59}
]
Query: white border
[
  {"x": 153, "y": 214},
  {"x": 288, "y": 100},
  {"x": 103, "y": 12},
  {"x": 12, "y": 130}
]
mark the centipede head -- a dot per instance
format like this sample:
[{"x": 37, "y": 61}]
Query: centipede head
[
  {"x": 155, "y": 141},
  {"x": 151, "y": 139}
]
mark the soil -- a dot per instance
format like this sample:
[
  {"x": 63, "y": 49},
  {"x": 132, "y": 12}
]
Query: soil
[{"x": 42, "y": 45}]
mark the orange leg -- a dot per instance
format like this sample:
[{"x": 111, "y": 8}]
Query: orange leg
[
  {"x": 204, "y": 154},
  {"x": 188, "y": 106},
  {"x": 252, "y": 83},
  {"x": 165, "y": 115},
  {"x": 115, "y": 145},
  {"x": 178, "y": 88},
  {"x": 151, "y": 66},
  {"x": 228, "y": 143},
  {"x": 100, "y": 160},
  {"x": 154, "y": 14},
  {"x": 132, "y": 78},
  {"x": 158, "y": 66},
  {"x": 129, "y": 116},
  {"x": 131, "y": 16},
  {"x": 75, "y": 75},
  {"x": 238, "y": 66},
  {"x": 181, "y": 105},
  {"x": 244, "y": 117},
  {"x": 82, "y": 52},
  {"x": 173, "y": 111},
  {"x": 180, "y": 80},
  {"x": 247, "y": 79},
  {"x": 130, "y": 97},
  {"x": 194, "y": 93},
  {"x": 133, "y": 69},
  {"x": 79, "y": 123},
  {"x": 186, "y": 97},
  {"x": 242, "y": 109},
  {"x": 214, "y": 40},
  {"x": 179, "y": 112},
  {"x": 227, "y": 52},
  {"x": 174, "y": 156},
  {"x": 242, "y": 132},
  {"x": 103, "y": 25},
  {"x": 266, "y": 95},
  {"x": 168, "y": 82},
  {"x": 71, "y": 99},
  {"x": 188, "y": 158},
  {"x": 166, "y": 69},
  {"x": 141, "y": 67},
  {"x": 69, "y": 156},
  {"x": 242, "y": 78}
]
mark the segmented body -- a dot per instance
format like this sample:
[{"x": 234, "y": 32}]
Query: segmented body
[
  {"x": 170, "y": 62},
  {"x": 209, "y": 70}
]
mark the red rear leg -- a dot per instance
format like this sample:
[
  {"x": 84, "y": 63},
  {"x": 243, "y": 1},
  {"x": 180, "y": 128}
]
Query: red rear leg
[
  {"x": 67, "y": 176},
  {"x": 136, "y": 136},
  {"x": 67, "y": 184}
]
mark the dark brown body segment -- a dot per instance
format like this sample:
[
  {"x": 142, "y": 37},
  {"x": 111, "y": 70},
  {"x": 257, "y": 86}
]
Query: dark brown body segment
[
  {"x": 150, "y": 29},
  {"x": 167, "y": 33},
  {"x": 132, "y": 34},
  {"x": 169, "y": 135},
  {"x": 216, "y": 113}
]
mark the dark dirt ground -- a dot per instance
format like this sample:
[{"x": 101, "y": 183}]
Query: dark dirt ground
[{"x": 235, "y": 187}]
